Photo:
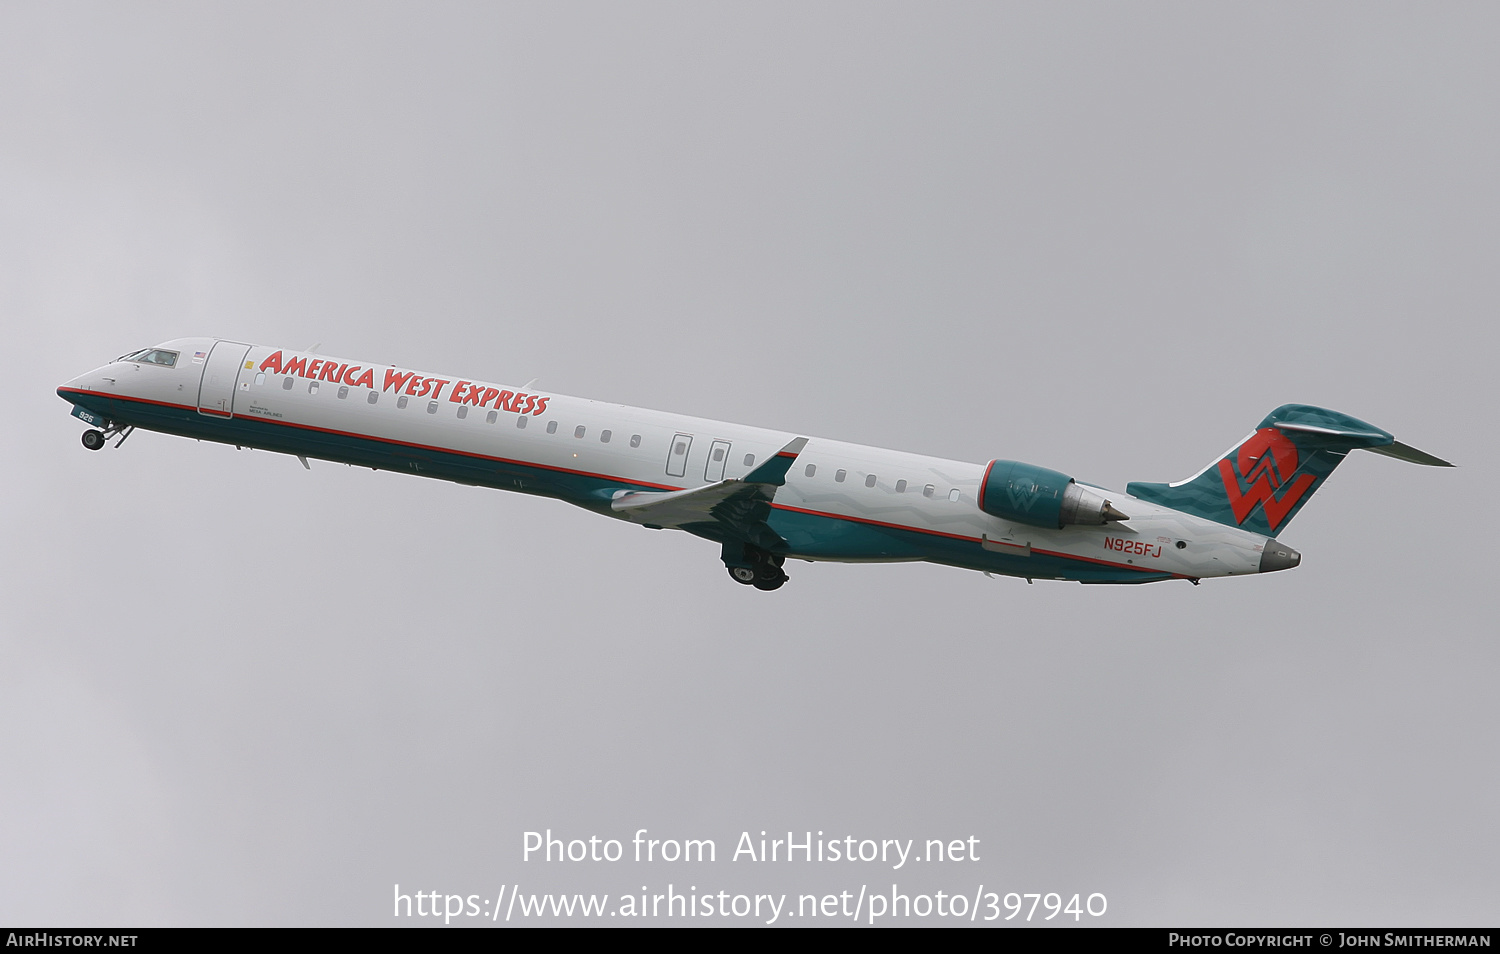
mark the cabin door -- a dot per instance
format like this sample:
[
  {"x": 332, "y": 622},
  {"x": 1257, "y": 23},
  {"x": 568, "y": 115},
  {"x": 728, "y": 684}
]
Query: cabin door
[{"x": 220, "y": 371}]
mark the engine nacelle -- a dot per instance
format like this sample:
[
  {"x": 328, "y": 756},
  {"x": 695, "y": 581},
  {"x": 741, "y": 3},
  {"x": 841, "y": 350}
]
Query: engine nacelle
[{"x": 1025, "y": 493}]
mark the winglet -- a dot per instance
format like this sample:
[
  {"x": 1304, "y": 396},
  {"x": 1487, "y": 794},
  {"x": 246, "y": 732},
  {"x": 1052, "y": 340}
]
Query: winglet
[{"x": 774, "y": 470}]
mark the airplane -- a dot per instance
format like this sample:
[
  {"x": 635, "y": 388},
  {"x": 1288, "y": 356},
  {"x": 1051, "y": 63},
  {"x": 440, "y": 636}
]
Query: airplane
[{"x": 764, "y": 496}]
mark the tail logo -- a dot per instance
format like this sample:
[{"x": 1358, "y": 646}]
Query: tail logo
[{"x": 1266, "y": 462}]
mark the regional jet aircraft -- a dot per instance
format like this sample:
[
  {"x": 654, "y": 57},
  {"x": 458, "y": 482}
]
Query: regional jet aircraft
[{"x": 763, "y": 496}]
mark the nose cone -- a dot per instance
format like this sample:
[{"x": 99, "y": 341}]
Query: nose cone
[
  {"x": 101, "y": 380},
  {"x": 68, "y": 390},
  {"x": 1278, "y": 556}
]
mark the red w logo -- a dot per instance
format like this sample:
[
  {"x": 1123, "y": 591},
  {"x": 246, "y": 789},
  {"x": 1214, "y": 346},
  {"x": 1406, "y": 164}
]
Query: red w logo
[{"x": 1266, "y": 460}]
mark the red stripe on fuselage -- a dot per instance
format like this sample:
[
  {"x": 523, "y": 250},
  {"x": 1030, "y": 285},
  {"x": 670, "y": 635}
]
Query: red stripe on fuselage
[
  {"x": 969, "y": 539},
  {"x": 609, "y": 477},
  {"x": 985, "y": 482},
  {"x": 121, "y": 397},
  {"x": 392, "y": 440}
]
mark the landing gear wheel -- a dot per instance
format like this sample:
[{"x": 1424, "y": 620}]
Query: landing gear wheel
[
  {"x": 93, "y": 440},
  {"x": 768, "y": 576},
  {"x": 752, "y": 566}
]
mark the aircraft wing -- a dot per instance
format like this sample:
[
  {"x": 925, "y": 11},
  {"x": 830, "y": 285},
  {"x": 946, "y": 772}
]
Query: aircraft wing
[{"x": 735, "y": 508}]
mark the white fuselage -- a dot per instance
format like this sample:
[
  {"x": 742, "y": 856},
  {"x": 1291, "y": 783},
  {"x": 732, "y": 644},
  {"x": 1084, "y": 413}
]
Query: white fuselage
[{"x": 587, "y": 452}]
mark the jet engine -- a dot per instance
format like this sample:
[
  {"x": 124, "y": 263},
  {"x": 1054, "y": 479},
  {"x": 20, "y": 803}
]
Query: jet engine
[{"x": 1025, "y": 493}]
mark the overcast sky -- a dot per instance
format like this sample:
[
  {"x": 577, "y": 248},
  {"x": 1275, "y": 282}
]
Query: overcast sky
[{"x": 1103, "y": 238}]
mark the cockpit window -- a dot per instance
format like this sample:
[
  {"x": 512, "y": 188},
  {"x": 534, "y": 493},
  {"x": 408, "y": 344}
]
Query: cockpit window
[{"x": 167, "y": 359}]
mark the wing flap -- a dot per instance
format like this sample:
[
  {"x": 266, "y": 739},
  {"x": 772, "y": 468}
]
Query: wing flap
[{"x": 676, "y": 507}]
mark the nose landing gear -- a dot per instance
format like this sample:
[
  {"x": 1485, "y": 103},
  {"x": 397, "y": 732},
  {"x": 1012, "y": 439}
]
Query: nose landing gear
[
  {"x": 94, "y": 439},
  {"x": 755, "y": 567}
]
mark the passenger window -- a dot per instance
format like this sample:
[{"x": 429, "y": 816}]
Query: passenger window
[
  {"x": 870, "y": 481},
  {"x": 604, "y": 437},
  {"x": 900, "y": 486},
  {"x": 520, "y": 421},
  {"x": 260, "y": 379},
  {"x": 839, "y": 475},
  {"x": 286, "y": 385},
  {"x": 343, "y": 392},
  {"x": 749, "y": 460},
  {"x": 811, "y": 469},
  {"x": 312, "y": 387},
  {"x": 928, "y": 490},
  {"x": 431, "y": 407},
  {"x": 551, "y": 427},
  {"x": 492, "y": 417},
  {"x": 635, "y": 440},
  {"x": 578, "y": 431},
  {"x": 401, "y": 401},
  {"x": 953, "y": 494},
  {"x": 463, "y": 412},
  {"x": 374, "y": 396}
]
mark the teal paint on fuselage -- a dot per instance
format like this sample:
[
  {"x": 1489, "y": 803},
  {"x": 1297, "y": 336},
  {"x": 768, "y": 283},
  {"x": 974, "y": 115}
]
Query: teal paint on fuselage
[{"x": 808, "y": 535}]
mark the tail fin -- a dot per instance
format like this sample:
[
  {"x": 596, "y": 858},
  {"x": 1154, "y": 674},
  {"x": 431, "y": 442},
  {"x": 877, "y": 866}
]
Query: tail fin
[{"x": 1261, "y": 483}]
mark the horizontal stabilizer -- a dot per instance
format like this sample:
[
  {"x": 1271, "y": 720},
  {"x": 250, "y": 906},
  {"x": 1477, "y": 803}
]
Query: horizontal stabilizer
[
  {"x": 1353, "y": 433},
  {"x": 1373, "y": 440},
  {"x": 1409, "y": 454}
]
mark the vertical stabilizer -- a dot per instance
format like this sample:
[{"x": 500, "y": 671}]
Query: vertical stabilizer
[{"x": 1260, "y": 484}]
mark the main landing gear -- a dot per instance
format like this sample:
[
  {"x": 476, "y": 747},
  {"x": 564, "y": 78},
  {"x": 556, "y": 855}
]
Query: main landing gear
[
  {"x": 95, "y": 440},
  {"x": 755, "y": 567}
]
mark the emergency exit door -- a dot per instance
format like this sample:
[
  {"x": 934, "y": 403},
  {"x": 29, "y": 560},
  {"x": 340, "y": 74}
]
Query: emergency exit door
[
  {"x": 718, "y": 455},
  {"x": 677, "y": 455}
]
